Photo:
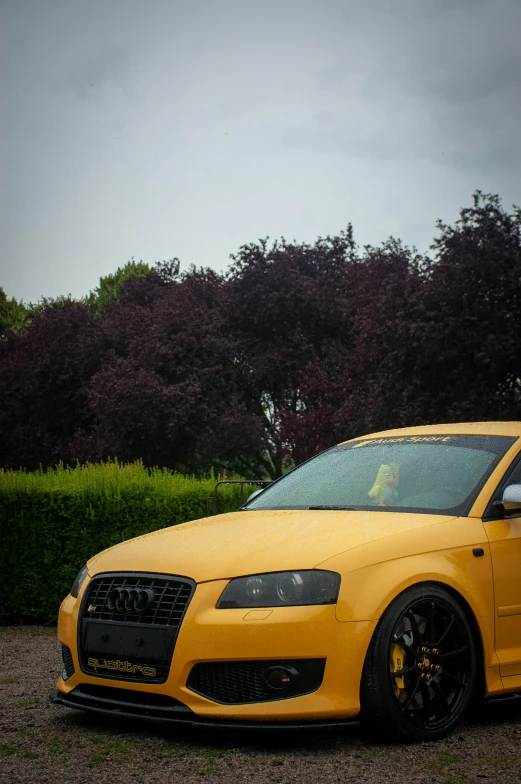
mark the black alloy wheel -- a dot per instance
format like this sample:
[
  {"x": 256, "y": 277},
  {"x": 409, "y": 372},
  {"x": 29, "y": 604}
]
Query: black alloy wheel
[{"x": 420, "y": 670}]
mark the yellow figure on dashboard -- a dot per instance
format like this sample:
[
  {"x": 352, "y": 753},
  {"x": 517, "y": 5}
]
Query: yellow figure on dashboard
[{"x": 384, "y": 492}]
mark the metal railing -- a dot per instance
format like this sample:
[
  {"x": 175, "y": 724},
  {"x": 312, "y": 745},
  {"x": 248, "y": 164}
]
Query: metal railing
[{"x": 213, "y": 500}]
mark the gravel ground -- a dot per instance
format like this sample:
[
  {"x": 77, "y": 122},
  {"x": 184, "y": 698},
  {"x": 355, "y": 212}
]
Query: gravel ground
[{"x": 44, "y": 743}]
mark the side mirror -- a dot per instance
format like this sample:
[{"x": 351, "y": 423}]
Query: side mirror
[
  {"x": 512, "y": 499},
  {"x": 256, "y": 492}
]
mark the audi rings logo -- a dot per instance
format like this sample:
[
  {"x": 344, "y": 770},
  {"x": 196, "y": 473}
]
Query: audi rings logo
[{"x": 130, "y": 600}]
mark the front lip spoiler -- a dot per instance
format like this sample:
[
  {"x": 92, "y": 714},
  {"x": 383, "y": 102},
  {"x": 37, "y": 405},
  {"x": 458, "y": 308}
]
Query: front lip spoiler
[{"x": 182, "y": 715}]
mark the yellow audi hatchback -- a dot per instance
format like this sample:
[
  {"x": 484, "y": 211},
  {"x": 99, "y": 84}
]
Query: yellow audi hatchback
[{"x": 379, "y": 581}]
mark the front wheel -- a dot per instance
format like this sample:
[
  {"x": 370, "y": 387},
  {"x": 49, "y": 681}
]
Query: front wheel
[{"x": 420, "y": 669}]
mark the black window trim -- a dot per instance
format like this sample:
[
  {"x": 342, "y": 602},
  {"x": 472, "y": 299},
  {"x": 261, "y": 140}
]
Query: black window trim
[{"x": 492, "y": 512}]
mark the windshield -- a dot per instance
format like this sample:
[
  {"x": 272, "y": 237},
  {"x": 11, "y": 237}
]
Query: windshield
[{"x": 412, "y": 473}]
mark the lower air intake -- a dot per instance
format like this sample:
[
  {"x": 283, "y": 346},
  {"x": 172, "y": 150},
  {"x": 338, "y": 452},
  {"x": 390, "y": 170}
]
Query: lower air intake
[
  {"x": 240, "y": 682},
  {"x": 68, "y": 663}
]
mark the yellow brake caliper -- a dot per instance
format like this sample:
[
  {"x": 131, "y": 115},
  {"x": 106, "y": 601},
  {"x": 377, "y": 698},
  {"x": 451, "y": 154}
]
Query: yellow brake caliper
[{"x": 397, "y": 658}]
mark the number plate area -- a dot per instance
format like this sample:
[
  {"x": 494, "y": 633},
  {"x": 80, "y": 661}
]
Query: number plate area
[{"x": 126, "y": 651}]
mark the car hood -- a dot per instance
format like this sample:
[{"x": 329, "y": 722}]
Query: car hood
[{"x": 250, "y": 542}]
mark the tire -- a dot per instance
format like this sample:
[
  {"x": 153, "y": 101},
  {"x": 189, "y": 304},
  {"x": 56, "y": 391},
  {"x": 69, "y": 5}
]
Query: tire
[{"x": 420, "y": 670}]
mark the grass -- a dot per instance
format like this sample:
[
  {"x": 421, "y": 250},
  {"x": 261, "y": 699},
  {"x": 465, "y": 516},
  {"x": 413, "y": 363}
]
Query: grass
[
  {"x": 448, "y": 756},
  {"x": 10, "y": 749},
  {"x": 206, "y": 770},
  {"x": 108, "y": 748},
  {"x": 165, "y": 750},
  {"x": 7, "y": 749},
  {"x": 149, "y": 751},
  {"x": 28, "y": 754},
  {"x": 217, "y": 753}
]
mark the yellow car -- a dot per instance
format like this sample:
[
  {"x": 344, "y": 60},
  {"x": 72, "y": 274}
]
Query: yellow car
[{"x": 379, "y": 581}]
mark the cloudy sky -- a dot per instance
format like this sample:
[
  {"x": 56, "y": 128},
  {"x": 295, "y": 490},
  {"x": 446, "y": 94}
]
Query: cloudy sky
[{"x": 188, "y": 127}]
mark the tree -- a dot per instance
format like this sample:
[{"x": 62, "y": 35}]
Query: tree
[
  {"x": 297, "y": 347},
  {"x": 360, "y": 381},
  {"x": 385, "y": 299},
  {"x": 44, "y": 383},
  {"x": 469, "y": 345},
  {"x": 167, "y": 390},
  {"x": 111, "y": 287},
  {"x": 287, "y": 305},
  {"x": 13, "y": 314}
]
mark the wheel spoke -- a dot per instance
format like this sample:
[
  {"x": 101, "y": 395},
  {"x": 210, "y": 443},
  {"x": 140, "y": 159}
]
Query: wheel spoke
[
  {"x": 399, "y": 673},
  {"x": 443, "y": 700},
  {"x": 400, "y": 641},
  {"x": 447, "y": 630},
  {"x": 414, "y": 625},
  {"x": 455, "y": 652},
  {"x": 461, "y": 684},
  {"x": 412, "y": 694},
  {"x": 426, "y": 697}
]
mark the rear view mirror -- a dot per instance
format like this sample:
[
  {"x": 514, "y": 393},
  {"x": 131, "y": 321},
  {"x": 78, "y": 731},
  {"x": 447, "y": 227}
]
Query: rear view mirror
[{"x": 512, "y": 499}]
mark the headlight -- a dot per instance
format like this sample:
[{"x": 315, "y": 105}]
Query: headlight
[
  {"x": 281, "y": 589},
  {"x": 78, "y": 582}
]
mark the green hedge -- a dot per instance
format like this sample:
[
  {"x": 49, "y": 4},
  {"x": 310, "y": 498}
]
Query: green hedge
[{"x": 52, "y": 521}]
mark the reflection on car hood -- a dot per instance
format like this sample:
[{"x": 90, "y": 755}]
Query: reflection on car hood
[{"x": 239, "y": 543}]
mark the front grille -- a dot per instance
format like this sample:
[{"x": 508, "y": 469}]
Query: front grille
[
  {"x": 68, "y": 663},
  {"x": 240, "y": 682},
  {"x": 170, "y": 599},
  {"x": 129, "y": 625}
]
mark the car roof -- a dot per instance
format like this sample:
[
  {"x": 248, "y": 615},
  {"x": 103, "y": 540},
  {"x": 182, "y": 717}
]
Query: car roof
[{"x": 460, "y": 429}]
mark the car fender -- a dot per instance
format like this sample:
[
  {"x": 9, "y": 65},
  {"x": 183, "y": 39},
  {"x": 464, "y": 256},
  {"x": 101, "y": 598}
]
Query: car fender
[{"x": 374, "y": 575}]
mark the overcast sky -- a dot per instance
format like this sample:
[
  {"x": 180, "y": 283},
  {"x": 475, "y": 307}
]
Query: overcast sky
[{"x": 188, "y": 127}]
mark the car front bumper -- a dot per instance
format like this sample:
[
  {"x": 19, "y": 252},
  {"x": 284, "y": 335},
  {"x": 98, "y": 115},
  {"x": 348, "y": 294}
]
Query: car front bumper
[{"x": 231, "y": 635}]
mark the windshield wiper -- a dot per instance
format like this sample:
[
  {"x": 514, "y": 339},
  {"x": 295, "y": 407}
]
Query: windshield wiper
[{"x": 344, "y": 508}]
